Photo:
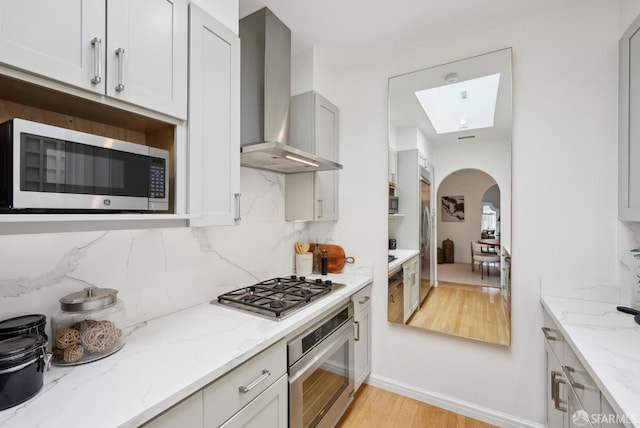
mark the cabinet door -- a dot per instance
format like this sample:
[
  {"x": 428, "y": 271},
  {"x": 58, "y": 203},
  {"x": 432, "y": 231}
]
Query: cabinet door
[
  {"x": 267, "y": 410},
  {"x": 629, "y": 125},
  {"x": 555, "y": 392},
  {"x": 362, "y": 325},
  {"x": 393, "y": 167},
  {"x": 362, "y": 348},
  {"x": 147, "y": 54},
  {"x": 411, "y": 287},
  {"x": 326, "y": 190},
  {"x": 609, "y": 417},
  {"x": 314, "y": 128},
  {"x": 214, "y": 121},
  {"x": 185, "y": 414},
  {"x": 54, "y": 39},
  {"x": 326, "y": 146}
]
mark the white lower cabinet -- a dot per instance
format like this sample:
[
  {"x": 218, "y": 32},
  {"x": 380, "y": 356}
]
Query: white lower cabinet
[
  {"x": 243, "y": 388},
  {"x": 254, "y": 394},
  {"x": 269, "y": 409},
  {"x": 411, "y": 282},
  {"x": 185, "y": 414},
  {"x": 362, "y": 350},
  {"x": 572, "y": 397}
]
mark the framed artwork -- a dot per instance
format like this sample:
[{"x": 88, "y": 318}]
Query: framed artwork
[{"x": 453, "y": 208}]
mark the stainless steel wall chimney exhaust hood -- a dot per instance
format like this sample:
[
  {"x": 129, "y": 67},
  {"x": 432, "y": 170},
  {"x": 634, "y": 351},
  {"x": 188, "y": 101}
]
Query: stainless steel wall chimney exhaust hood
[{"x": 265, "y": 88}]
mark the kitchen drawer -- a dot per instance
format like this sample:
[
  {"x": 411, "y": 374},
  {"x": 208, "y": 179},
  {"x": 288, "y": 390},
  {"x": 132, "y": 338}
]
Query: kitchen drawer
[
  {"x": 361, "y": 299},
  {"x": 223, "y": 398},
  {"x": 581, "y": 382},
  {"x": 553, "y": 336}
]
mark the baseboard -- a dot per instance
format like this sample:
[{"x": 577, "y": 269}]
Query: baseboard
[{"x": 452, "y": 404}]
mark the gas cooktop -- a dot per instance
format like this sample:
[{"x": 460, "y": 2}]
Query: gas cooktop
[{"x": 278, "y": 297}]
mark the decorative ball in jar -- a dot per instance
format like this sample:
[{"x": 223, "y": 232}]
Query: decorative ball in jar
[{"x": 88, "y": 326}]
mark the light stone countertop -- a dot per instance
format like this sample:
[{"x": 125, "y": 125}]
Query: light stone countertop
[
  {"x": 402, "y": 256},
  {"x": 164, "y": 361},
  {"x": 607, "y": 343}
]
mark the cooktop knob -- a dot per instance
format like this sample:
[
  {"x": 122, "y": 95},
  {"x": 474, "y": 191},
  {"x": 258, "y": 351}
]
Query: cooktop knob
[
  {"x": 328, "y": 282},
  {"x": 292, "y": 277},
  {"x": 318, "y": 280},
  {"x": 302, "y": 278}
]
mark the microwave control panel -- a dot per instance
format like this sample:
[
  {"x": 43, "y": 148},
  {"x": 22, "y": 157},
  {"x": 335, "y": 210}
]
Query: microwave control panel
[{"x": 157, "y": 178}]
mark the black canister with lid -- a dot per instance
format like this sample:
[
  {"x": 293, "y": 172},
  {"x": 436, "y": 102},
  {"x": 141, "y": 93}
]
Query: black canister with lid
[
  {"x": 23, "y": 360},
  {"x": 24, "y": 325}
]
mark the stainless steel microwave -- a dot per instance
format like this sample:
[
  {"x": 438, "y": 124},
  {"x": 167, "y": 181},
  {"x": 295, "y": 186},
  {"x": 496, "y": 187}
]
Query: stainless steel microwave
[{"x": 46, "y": 168}]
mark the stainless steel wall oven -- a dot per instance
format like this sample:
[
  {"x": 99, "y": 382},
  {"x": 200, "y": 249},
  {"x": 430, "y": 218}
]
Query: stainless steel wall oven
[{"x": 321, "y": 371}]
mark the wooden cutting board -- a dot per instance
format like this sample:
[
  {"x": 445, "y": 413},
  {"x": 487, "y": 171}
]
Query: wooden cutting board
[{"x": 335, "y": 257}]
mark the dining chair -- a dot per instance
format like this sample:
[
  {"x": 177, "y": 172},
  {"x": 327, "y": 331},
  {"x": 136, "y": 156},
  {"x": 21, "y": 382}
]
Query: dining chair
[{"x": 482, "y": 255}]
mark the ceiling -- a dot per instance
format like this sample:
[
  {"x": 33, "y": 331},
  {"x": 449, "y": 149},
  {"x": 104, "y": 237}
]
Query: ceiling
[{"x": 353, "y": 30}]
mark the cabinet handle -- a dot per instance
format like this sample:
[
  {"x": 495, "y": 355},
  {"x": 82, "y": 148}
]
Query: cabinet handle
[
  {"x": 320, "y": 208},
  {"x": 237, "y": 216},
  {"x": 364, "y": 300},
  {"x": 356, "y": 332},
  {"x": 568, "y": 371},
  {"x": 546, "y": 331},
  {"x": 265, "y": 374},
  {"x": 556, "y": 380},
  {"x": 120, "y": 55},
  {"x": 97, "y": 75}
]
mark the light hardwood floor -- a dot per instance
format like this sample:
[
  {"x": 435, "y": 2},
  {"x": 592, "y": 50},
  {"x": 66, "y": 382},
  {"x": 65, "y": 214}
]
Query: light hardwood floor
[
  {"x": 470, "y": 311},
  {"x": 376, "y": 408}
]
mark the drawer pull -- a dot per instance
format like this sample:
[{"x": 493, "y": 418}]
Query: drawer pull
[
  {"x": 265, "y": 374},
  {"x": 568, "y": 370},
  {"x": 364, "y": 300},
  {"x": 556, "y": 380},
  {"x": 546, "y": 331}
]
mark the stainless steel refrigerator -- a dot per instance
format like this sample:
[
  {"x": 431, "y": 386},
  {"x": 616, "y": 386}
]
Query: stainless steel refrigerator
[{"x": 426, "y": 233}]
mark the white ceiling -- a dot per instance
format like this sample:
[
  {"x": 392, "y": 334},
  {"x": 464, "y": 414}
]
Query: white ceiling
[{"x": 352, "y": 30}]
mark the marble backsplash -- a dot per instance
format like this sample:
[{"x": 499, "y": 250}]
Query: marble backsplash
[{"x": 156, "y": 271}]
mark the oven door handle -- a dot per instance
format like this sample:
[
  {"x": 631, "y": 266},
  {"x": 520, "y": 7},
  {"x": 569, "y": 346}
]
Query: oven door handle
[{"x": 322, "y": 349}]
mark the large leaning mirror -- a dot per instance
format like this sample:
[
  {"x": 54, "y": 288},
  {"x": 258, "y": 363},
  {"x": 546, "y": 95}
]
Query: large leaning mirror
[{"x": 450, "y": 130}]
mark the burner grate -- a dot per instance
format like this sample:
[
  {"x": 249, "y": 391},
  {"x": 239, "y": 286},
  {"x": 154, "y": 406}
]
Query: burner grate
[{"x": 277, "y": 296}]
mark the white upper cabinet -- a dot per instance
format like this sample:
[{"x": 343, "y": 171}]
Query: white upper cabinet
[
  {"x": 313, "y": 196},
  {"x": 147, "y": 54},
  {"x": 134, "y": 51},
  {"x": 629, "y": 133},
  {"x": 63, "y": 40},
  {"x": 214, "y": 121}
]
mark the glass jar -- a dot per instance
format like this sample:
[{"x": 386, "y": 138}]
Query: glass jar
[{"x": 88, "y": 326}]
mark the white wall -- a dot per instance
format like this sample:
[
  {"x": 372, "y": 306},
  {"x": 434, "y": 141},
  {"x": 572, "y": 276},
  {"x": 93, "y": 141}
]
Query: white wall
[{"x": 564, "y": 194}]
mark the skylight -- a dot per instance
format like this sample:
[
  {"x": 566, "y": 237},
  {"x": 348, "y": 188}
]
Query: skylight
[{"x": 461, "y": 106}]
